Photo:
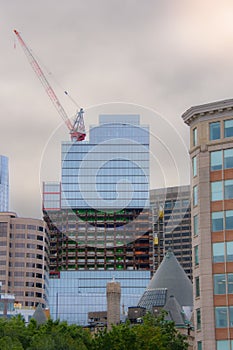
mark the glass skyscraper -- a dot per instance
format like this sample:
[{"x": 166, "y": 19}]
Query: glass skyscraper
[
  {"x": 4, "y": 184},
  {"x": 99, "y": 215}
]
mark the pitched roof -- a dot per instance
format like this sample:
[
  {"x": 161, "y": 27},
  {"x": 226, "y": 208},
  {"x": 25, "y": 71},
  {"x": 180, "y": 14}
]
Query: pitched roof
[
  {"x": 39, "y": 315},
  {"x": 170, "y": 276},
  {"x": 175, "y": 312}
]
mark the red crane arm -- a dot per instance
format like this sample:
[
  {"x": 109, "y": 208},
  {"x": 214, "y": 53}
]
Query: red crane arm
[{"x": 77, "y": 130}]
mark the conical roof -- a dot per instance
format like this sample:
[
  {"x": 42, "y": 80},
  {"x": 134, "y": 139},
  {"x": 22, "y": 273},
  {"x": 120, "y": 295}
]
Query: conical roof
[
  {"x": 39, "y": 315},
  {"x": 171, "y": 276}
]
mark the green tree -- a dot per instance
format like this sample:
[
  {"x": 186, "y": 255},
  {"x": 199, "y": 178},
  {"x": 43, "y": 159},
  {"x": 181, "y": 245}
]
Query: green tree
[
  {"x": 152, "y": 334},
  {"x": 15, "y": 330},
  {"x": 55, "y": 335}
]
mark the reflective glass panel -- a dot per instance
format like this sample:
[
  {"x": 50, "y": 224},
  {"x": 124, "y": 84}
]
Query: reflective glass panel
[
  {"x": 229, "y": 251},
  {"x": 220, "y": 284},
  {"x": 215, "y": 132},
  {"x": 216, "y": 191},
  {"x": 221, "y": 317},
  {"x": 216, "y": 160},
  {"x": 230, "y": 283},
  {"x": 228, "y": 158},
  {"x": 218, "y": 252},
  {"x": 228, "y": 189},
  {"x": 228, "y": 128},
  {"x": 217, "y": 221}
]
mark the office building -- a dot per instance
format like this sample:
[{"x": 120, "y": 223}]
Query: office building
[
  {"x": 211, "y": 152},
  {"x": 172, "y": 225},
  {"x": 24, "y": 259},
  {"x": 74, "y": 294},
  {"x": 4, "y": 184},
  {"x": 99, "y": 215}
]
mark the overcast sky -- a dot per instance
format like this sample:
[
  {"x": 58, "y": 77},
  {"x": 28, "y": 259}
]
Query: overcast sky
[{"x": 163, "y": 56}]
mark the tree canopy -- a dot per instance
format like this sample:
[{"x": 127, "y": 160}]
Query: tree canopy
[{"x": 152, "y": 334}]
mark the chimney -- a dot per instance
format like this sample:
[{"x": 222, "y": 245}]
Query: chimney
[{"x": 113, "y": 303}]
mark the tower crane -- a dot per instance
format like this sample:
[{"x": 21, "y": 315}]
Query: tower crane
[{"x": 77, "y": 127}]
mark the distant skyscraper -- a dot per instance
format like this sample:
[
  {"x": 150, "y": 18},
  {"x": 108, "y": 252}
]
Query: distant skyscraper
[
  {"x": 99, "y": 218},
  {"x": 4, "y": 184},
  {"x": 172, "y": 225}
]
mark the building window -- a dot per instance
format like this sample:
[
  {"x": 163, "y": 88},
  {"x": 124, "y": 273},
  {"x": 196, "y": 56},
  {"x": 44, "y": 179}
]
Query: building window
[
  {"x": 194, "y": 137},
  {"x": 215, "y": 131},
  {"x": 216, "y": 191},
  {"x": 199, "y": 345},
  {"x": 216, "y": 160},
  {"x": 195, "y": 196},
  {"x": 220, "y": 284},
  {"x": 197, "y": 286},
  {"x": 195, "y": 225},
  {"x": 228, "y": 128},
  {"x": 228, "y": 158},
  {"x": 229, "y": 220},
  {"x": 221, "y": 317},
  {"x": 229, "y": 251},
  {"x": 218, "y": 252},
  {"x": 198, "y": 318},
  {"x": 228, "y": 189},
  {"x": 196, "y": 255},
  {"x": 231, "y": 315},
  {"x": 194, "y": 165},
  {"x": 224, "y": 345},
  {"x": 230, "y": 283},
  {"x": 217, "y": 221}
]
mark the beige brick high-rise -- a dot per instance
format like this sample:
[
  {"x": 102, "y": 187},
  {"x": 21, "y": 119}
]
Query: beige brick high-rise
[
  {"x": 211, "y": 152},
  {"x": 113, "y": 303},
  {"x": 24, "y": 259}
]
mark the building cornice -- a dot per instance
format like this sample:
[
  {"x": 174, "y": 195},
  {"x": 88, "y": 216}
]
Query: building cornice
[{"x": 207, "y": 109}]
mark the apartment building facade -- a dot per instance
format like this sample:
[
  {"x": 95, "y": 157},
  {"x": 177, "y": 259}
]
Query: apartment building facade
[
  {"x": 24, "y": 259},
  {"x": 211, "y": 152}
]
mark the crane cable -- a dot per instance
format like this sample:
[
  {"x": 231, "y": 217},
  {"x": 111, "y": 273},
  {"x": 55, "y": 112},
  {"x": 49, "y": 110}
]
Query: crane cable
[{"x": 51, "y": 75}]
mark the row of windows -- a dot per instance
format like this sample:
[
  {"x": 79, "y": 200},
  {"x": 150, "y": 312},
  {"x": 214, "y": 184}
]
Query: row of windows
[
  {"x": 221, "y": 159},
  {"x": 86, "y": 179},
  {"x": 28, "y": 227},
  {"x": 141, "y": 186},
  {"x": 215, "y": 129},
  {"x": 97, "y": 163},
  {"x": 222, "y": 220},
  {"x": 123, "y": 194},
  {"x": 28, "y": 284},
  {"x": 221, "y": 190},
  {"x": 107, "y": 171},
  {"x": 98, "y": 204},
  {"x": 218, "y": 160},
  {"x": 114, "y": 151}
]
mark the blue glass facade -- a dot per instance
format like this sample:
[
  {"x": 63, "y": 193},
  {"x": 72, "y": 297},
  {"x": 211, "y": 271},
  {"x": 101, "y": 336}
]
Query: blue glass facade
[
  {"x": 4, "y": 184},
  {"x": 110, "y": 171},
  {"x": 76, "y": 293}
]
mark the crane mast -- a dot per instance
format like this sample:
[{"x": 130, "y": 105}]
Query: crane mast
[{"x": 77, "y": 128}]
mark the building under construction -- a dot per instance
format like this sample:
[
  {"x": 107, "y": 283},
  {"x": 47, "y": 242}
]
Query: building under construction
[{"x": 99, "y": 215}]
